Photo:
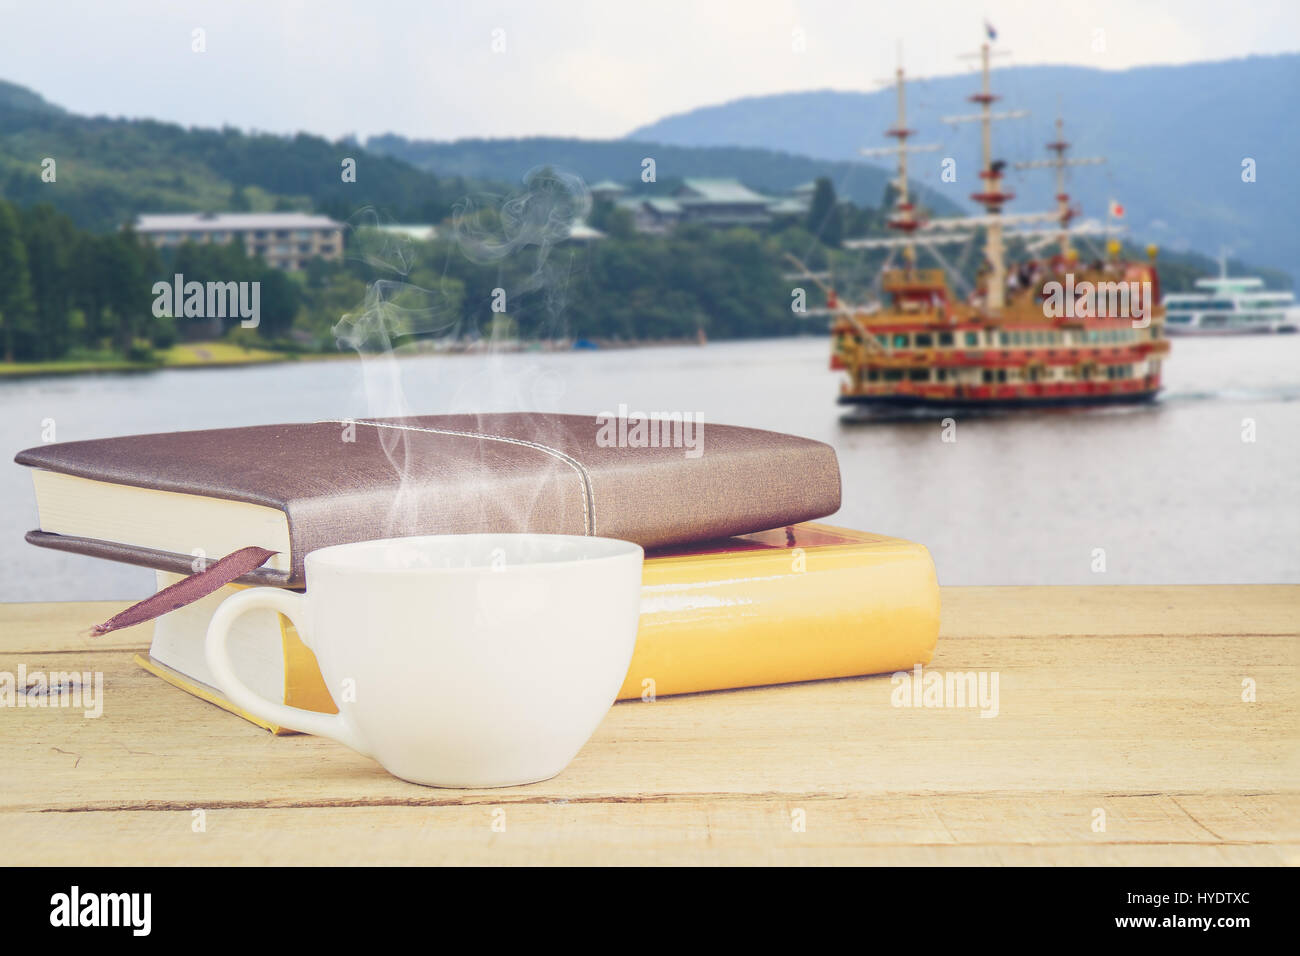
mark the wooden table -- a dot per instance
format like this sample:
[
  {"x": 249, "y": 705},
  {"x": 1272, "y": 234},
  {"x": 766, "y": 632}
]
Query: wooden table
[{"x": 1120, "y": 706}]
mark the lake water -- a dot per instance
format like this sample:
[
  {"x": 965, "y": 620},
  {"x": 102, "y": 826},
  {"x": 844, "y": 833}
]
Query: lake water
[{"x": 1170, "y": 491}]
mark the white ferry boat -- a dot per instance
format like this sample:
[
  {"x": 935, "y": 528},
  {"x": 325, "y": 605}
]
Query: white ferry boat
[{"x": 1230, "y": 306}]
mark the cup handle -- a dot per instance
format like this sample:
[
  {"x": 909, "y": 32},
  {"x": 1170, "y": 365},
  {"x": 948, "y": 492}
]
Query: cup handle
[{"x": 291, "y": 605}]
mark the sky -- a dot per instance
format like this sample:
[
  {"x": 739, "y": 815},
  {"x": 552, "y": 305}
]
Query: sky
[{"x": 468, "y": 68}]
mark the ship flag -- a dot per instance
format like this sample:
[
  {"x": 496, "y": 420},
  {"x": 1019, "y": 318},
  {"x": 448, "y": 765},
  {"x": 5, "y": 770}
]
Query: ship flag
[
  {"x": 1116, "y": 209},
  {"x": 988, "y": 29}
]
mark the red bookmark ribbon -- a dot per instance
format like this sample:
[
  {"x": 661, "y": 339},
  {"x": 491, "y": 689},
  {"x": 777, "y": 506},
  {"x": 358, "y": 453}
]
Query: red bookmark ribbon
[{"x": 188, "y": 590}]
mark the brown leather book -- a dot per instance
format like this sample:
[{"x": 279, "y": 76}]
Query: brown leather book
[{"x": 169, "y": 501}]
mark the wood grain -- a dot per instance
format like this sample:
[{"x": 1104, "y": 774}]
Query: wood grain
[{"x": 1124, "y": 700}]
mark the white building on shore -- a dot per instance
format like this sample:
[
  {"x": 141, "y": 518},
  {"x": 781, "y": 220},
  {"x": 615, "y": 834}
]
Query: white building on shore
[{"x": 286, "y": 240}]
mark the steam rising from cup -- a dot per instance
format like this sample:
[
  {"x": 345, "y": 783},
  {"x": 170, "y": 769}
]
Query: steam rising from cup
[
  {"x": 540, "y": 217},
  {"x": 487, "y": 230}
]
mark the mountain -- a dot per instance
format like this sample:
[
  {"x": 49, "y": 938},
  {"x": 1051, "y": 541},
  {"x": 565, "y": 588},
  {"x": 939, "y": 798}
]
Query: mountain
[
  {"x": 19, "y": 99},
  {"x": 1175, "y": 138},
  {"x": 108, "y": 170},
  {"x": 768, "y": 170}
]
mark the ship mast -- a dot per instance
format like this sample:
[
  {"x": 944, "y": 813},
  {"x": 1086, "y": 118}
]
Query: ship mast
[
  {"x": 932, "y": 233},
  {"x": 1058, "y": 163},
  {"x": 904, "y": 219},
  {"x": 991, "y": 196}
]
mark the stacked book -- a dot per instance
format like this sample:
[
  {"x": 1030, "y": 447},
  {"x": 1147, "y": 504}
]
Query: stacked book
[{"x": 741, "y": 587}]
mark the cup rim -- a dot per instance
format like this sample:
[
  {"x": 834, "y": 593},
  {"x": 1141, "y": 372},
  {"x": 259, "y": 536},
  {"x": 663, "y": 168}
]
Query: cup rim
[{"x": 336, "y": 556}]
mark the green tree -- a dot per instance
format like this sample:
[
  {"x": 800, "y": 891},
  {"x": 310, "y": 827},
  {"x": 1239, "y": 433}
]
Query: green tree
[
  {"x": 16, "y": 307},
  {"x": 128, "y": 294},
  {"x": 824, "y": 218},
  {"x": 49, "y": 238},
  {"x": 279, "y": 299}
]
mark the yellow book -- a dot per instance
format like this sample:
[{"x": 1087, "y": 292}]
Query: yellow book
[{"x": 804, "y": 603}]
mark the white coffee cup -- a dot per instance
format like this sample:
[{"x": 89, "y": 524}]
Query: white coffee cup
[{"x": 477, "y": 660}]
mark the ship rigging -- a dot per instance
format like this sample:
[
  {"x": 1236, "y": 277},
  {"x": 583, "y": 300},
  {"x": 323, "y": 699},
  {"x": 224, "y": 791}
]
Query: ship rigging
[{"x": 1008, "y": 343}]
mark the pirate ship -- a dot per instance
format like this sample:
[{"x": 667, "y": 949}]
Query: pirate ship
[{"x": 1049, "y": 329}]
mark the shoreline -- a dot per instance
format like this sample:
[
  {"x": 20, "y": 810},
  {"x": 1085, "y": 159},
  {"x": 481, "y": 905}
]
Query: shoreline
[
  {"x": 208, "y": 355},
  {"x": 185, "y": 355}
]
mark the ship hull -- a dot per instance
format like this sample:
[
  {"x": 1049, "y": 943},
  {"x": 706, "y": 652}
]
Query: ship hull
[
  {"x": 1041, "y": 401},
  {"x": 1279, "y": 328}
]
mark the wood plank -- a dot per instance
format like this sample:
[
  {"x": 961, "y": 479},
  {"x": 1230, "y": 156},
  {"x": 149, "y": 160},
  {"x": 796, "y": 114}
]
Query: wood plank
[
  {"x": 1096, "y": 714},
  {"x": 64, "y": 626},
  {"x": 1125, "y": 699},
  {"x": 1170, "y": 611},
  {"x": 967, "y": 612},
  {"x": 950, "y": 830}
]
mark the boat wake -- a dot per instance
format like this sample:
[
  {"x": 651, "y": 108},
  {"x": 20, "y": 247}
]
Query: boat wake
[{"x": 1282, "y": 393}]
